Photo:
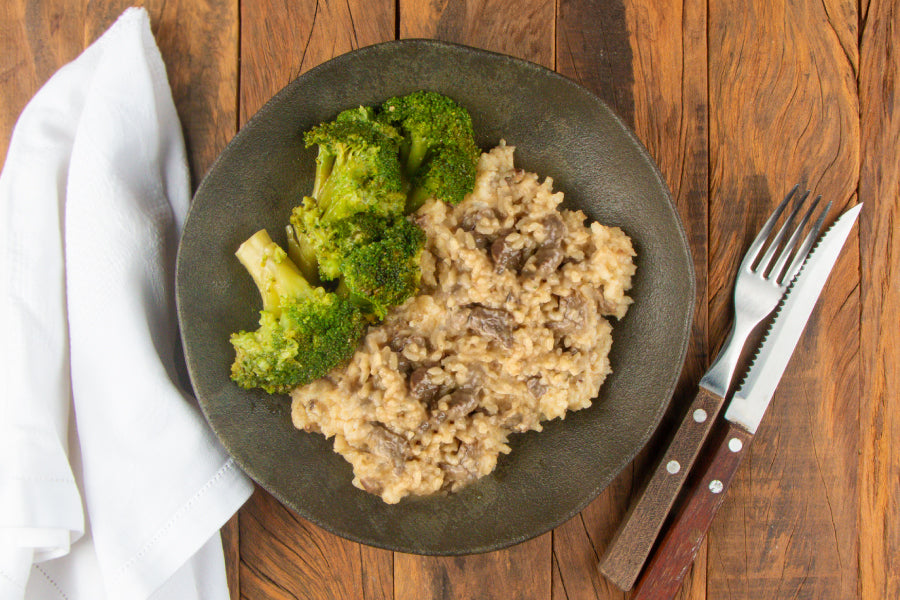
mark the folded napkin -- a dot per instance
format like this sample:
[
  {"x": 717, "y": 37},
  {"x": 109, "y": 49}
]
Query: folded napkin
[{"x": 111, "y": 483}]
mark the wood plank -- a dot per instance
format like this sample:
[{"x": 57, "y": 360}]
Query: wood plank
[
  {"x": 521, "y": 572},
  {"x": 282, "y": 554},
  {"x": 281, "y": 40},
  {"x": 522, "y": 28},
  {"x": 231, "y": 550},
  {"x": 278, "y": 41},
  {"x": 647, "y": 60},
  {"x": 879, "y": 189},
  {"x": 594, "y": 48},
  {"x": 783, "y": 109},
  {"x": 377, "y": 573},
  {"x": 36, "y": 39}
]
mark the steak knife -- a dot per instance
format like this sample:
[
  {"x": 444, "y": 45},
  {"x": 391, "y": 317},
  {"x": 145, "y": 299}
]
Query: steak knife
[{"x": 670, "y": 561}]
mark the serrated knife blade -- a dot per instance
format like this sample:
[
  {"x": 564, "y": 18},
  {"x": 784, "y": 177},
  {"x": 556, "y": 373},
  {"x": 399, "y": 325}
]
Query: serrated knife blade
[{"x": 750, "y": 401}]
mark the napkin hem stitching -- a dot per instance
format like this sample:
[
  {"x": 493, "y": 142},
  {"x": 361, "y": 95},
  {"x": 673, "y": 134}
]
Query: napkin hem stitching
[
  {"x": 55, "y": 585},
  {"x": 229, "y": 465}
]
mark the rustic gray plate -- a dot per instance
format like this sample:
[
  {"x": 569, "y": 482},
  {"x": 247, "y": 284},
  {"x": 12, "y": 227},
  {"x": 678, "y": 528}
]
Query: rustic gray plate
[{"x": 559, "y": 130}]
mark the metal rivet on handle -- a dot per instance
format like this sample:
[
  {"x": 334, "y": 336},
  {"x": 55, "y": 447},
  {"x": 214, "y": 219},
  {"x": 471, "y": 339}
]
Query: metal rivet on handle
[
  {"x": 715, "y": 486},
  {"x": 673, "y": 467},
  {"x": 700, "y": 415},
  {"x": 735, "y": 445}
]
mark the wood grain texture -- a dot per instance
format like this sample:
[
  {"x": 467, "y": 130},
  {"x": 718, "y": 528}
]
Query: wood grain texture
[
  {"x": 579, "y": 543},
  {"x": 593, "y": 48},
  {"x": 231, "y": 550},
  {"x": 521, "y": 572},
  {"x": 522, "y": 28},
  {"x": 814, "y": 511},
  {"x": 37, "y": 37},
  {"x": 658, "y": 84},
  {"x": 789, "y": 114},
  {"x": 280, "y": 40},
  {"x": 879, "y": 189},
  {"x": 283, "y": 555}
]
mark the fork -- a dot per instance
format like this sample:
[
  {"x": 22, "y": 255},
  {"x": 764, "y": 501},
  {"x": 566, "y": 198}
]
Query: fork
[{"x": 759, "y": 286}]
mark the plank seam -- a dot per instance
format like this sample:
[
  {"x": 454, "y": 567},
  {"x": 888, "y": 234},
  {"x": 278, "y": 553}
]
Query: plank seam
[
  {"x": 706, "y": 242},
  {"x": 237, "y": 102}
]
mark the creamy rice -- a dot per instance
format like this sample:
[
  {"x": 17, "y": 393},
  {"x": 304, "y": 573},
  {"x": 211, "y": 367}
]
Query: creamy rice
[{"x": 509, "y": 329}]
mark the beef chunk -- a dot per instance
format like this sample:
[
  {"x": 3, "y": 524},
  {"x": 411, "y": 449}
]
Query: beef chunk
[
  {"x": 471, "y": 219},
  {"x": 554, "y": 228},
  {"x": 505, "y": 256},
  {"x": 388, "y": 444},
  {"x": 421, "y": 386},
  {"x": 461, "y": 403},
  {"x": 492, "y": 323},
  {"x": 537, "y": 387},
  {"x": 547, "y": 259}
]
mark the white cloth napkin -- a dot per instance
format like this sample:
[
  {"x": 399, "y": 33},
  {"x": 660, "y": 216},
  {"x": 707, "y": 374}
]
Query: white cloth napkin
[{"x": 124, "y": 497}]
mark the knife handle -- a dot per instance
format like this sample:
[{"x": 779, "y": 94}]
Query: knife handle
[
  {"x": 675, "y": 553},
  {"x": 628, "y": 550}
]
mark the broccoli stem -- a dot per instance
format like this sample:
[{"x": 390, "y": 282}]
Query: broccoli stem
[
  {"x": 417, "y": 197},
  {"x": 324, "y": 166},
  {"x": 301, "y": 252},
  {"x": 275, "y": 275},
  {"x": 417, "y": 150}
]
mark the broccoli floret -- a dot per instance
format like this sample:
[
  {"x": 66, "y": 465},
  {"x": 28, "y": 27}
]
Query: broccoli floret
[
  {"x": 357, "y": 167},
  {"x": 362, "y": 113},
  {"x": 448, "y": 176},
  {"x": 383, "y": 273},
  {"x": 332, "y": 244},
  {"x": 304, "y": 331},
  {"x": 322, "y": 247},
  {"x": 438, "y": 153}
]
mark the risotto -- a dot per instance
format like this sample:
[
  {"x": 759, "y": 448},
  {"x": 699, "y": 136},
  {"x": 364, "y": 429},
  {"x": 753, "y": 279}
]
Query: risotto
[{"x": 509, "y": 329}]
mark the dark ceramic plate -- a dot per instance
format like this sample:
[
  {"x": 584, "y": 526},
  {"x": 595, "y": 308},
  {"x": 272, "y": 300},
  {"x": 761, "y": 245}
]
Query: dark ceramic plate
[{"x": 559, "y": 130}]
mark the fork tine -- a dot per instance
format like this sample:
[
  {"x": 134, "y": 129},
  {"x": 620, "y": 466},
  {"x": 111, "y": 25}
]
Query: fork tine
[
  {"x": 766, "y": 260},
  {"x": 778, "y": 269},
  {"x": 763, "y": 234},
  {"x": 808, "y": 243}
]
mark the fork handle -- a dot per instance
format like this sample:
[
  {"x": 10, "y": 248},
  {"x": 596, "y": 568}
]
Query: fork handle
[
  {"x": 703, "y": 498},
  {"x": 631, "y": 545}
]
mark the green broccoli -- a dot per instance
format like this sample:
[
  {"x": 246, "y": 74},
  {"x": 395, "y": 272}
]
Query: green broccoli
[
  {"x": 383, "y": 272},
  {"x": 357, "y": 167},
  {"x": 438, "y": 153},
  {"x": 448, "y": 176},
  {"x": 374, "y": 167},
  {"x": 326, "y": 246},
  {"x": 374, "y": 257},
  {"x": 304, "y": 331}
]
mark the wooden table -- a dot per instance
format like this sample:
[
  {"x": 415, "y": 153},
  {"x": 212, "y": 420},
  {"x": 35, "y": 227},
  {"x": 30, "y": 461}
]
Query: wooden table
[{"x": 736, "y": 101}]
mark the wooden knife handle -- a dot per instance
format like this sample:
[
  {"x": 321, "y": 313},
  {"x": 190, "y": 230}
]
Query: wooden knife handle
[
  {"x": 628, "y": 550},
  {"x": 675, "y": 553}
]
